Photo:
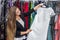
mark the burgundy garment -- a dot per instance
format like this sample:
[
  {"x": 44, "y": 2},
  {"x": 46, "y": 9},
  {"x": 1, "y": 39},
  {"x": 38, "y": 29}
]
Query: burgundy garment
[
  {"x": 26, "y": 9},
  {"x": 17, "y": 3},
  {"x": 57, "y": 28}
]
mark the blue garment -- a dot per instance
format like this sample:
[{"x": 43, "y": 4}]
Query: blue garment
[
  {"x": 49, "y": 37},
  {"x": 51, "y": 31}
]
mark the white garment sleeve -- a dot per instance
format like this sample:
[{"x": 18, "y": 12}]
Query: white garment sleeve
[{"x": 52, "y": 13}]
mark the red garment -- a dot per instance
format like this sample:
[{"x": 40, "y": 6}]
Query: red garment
[
  {"x": 57, "y": 36},
  {"x": 25, "y": 6},
  {"x": 26, "y": 9},
  {"x": 57, "y": 28}
]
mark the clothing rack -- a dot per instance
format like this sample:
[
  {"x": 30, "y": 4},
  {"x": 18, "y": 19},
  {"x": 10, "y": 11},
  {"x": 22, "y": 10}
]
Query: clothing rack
[{"x": 46, "y": 2}]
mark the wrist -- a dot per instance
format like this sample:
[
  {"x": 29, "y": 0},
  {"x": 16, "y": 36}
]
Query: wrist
[{"x": 26, "y": 32}]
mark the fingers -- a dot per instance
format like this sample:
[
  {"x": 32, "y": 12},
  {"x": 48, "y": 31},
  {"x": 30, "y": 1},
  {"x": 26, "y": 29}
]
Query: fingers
[
  {"x": 28, "y": 31},
  {"x": 39, "y": 5}
]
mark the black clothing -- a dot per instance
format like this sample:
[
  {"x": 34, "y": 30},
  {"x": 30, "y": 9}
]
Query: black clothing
[{"x": 19, "y": 27}]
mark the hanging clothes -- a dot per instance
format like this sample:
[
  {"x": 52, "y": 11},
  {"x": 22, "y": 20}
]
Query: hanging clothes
[
  {"x": 51, "y": 31},
  {"x": 17, "y": 3},
  {"x": 40, "y": 24},
  {"x": 33, "y": 14},
  {"x": 25, "y": 6},
  {"x": 30, "y": 15},
  {"x": 25, "y": 10},
  {"x": 2, "y": 26},
  {"x": 0, "y": 10},
  {"x": 10, "y": 3},
  {"x": 52, "y": 23},
  {"x": 57, "y": 28},
  {"x": 49, "y": 36},
  {"x": 32, "y": 6}
]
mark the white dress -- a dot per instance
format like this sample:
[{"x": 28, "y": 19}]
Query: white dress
[{"x": 40, "y": 24}]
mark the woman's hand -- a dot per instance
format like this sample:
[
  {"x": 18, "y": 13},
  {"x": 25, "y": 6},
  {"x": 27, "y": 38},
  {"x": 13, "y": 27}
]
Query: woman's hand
[
  {"x": 28, "y": 31},
  {"x": 39, "y": 5},
  {"x": 25, "y": 32}
]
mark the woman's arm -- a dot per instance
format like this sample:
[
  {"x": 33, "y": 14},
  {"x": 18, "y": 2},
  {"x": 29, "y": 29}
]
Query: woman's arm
[
  {"x": 28, "y": 13},
  {"x": 32, "y": 10},
  {"x": 25, "y": 32}
]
